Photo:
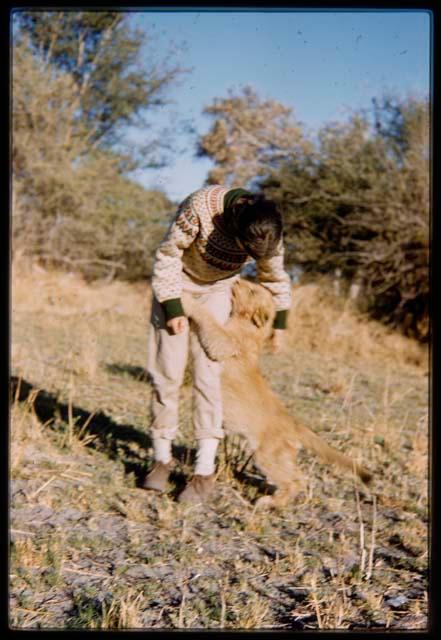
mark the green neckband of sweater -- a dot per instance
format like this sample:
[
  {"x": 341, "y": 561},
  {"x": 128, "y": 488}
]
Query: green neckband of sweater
[{"x": 232, "y": 195}]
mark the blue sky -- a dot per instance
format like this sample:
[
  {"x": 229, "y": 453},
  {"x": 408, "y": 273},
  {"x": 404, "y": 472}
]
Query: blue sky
[{"x": 321, "y": 64}]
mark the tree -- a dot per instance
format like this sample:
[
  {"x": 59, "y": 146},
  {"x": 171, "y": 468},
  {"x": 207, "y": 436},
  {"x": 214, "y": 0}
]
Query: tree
[
  {"x": 249, "y": 137},
  {"x": 74, "y": 207},
  {"x": 404, "y": 124},
  {"x": 101, "y": 54},
  {"x": 360, "y": 203}
]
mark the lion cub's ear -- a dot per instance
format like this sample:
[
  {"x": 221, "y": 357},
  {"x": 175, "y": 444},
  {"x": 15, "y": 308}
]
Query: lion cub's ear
[{"x": 260, "y": 317}]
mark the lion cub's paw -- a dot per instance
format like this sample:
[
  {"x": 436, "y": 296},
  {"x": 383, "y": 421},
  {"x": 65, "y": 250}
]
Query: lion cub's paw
[
  {"x": 278, "y": 500},
  {"x": 265, "y": 502}
]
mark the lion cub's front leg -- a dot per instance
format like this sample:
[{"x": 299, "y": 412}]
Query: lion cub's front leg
[{"x": 215, "y": 339}]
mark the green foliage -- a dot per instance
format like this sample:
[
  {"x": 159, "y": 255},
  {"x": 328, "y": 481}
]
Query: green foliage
[
  {"x": 360, "y": 204},
  {"x": 249, "y": 137},
  {"x": 101, "y": 54},
  {"x": 73, "y": 204},
  {"x": 356, "y": 200}
]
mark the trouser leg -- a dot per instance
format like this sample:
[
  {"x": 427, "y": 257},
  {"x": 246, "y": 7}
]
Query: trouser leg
[
  {"x": 167, "y": 358},
  {"x": 207, "y": 396}
]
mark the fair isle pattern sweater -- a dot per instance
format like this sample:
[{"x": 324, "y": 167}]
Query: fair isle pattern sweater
[{"x": 198, "y": 243}]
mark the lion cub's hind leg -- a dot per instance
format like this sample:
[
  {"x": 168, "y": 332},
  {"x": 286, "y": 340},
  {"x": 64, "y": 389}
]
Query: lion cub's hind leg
[
  {"x": 280, "y": 467},
  {"x": 283, "y": 496}
]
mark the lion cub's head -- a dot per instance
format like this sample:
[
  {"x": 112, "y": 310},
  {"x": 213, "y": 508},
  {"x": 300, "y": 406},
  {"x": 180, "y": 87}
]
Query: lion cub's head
[{"x": 254, "y": 303}]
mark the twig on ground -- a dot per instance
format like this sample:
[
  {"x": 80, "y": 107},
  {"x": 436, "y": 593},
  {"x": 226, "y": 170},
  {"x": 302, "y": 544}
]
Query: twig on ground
[
  {"x": 372, "y": 549},
  {"x": 86, "y": 573},
  {"x": 315, "y": 602},
  {"x": 360, "y": 518},
  {"x": 181, "y": 622},
  {"x": 25, "y": 533},
  {"x": 223, "y": 584},
  {"x": 43, "y": 486},
  {"x": 237, "y": 494}
]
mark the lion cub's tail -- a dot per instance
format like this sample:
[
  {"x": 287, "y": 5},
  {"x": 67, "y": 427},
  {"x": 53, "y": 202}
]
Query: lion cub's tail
[{"x": 312, "y": 441}]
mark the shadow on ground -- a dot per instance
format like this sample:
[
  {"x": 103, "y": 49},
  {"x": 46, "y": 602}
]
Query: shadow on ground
[
  {"x": 112, "y": 438},
  {"x": 137, "y": 373}
]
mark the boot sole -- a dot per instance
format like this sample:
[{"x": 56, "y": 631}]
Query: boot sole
[{"x": 154, "y": 487}]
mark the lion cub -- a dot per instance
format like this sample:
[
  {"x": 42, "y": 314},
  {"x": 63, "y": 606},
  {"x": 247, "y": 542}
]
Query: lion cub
[{"x": 250, "y": 406}]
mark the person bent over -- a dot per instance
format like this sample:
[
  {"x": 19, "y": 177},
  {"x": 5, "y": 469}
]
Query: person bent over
[{"x": 215, "y": 232}]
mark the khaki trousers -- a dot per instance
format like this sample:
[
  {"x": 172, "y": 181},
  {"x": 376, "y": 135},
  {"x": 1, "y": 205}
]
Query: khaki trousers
[{"x": 167, "y": 359}]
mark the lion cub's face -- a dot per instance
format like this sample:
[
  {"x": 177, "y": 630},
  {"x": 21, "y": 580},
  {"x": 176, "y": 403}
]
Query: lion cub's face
[{"x": 253, "y": 302}]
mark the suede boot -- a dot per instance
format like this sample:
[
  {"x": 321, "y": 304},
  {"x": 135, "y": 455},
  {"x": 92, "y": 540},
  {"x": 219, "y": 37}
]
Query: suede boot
[
  {"x": 198, "y": 489},
  {"x": 157, "y": 479}
]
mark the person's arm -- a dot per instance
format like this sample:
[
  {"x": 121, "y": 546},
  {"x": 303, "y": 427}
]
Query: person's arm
[{"x": 167, "y": 267}]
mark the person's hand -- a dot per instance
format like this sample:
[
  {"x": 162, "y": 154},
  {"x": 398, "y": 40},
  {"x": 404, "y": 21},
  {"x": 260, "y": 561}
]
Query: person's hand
[
  {"x": 177, "y": 325},
  {"x": 278, "y": 340}
]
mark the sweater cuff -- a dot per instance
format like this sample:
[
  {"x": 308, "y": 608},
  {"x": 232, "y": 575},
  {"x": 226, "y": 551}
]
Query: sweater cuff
[
  {"x": 172, "y": 308},
  {"x": 280, "y": 319}
]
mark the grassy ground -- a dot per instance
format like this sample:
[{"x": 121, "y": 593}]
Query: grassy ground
[{"x": 92, "y": 550}]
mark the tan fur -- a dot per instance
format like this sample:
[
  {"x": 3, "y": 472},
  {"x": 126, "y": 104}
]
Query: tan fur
[{"x": 250, "y": 406}]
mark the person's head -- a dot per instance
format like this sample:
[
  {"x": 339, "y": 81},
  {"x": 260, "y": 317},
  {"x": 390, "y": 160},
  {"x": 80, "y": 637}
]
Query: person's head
[{"x": 257, "y": 224}]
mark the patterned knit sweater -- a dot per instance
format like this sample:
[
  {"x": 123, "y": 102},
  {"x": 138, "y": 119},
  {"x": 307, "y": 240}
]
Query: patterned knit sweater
[{"x": 198, "y": 243}]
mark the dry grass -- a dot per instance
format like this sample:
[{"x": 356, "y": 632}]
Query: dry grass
[
  {"x": 123, "y": 613},
  {"x": 79, "y": 444},
  {"x": 66, "y": 294},
  {"x": 254, "y": 615},
  {"x": 321, "y": 321}
]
